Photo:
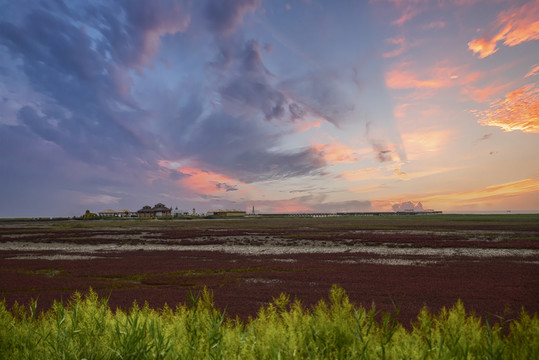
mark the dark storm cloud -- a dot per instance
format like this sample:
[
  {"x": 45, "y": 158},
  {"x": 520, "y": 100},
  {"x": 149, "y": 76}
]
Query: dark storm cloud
[
  {"x": 84, "y": 63},
  {"x": 226, "y": 187},
  {"x": 238, "y": 147},
  {"x": 318, "y": 93},
  {"x": 250, "y": 85},
  {"x": 131, "y": 30},
  {"x": 225, "y": 16},
  {"x": 77, "y": 62}
]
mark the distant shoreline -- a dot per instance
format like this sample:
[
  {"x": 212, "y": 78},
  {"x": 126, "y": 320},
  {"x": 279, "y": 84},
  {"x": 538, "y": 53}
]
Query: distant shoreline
[{"x": 477, "y": 212}]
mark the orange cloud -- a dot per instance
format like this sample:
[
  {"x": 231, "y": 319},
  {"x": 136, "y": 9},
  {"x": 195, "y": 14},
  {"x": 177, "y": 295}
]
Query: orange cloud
[
  {"x": 201, "y": 181},
  {"x": 484, "y": 94},
  {"x": 367, "y": 188},
  {"x": 518, "y": 111},
  {"x": 337, "y": 152},
  {"x": 400, "y": 79},
  {"x": 515, "y": 26},
  {"x": 357, "y": 175},
  {"x": 490, "y": 194},
  {"x": 205, "y": 182},
  {"x": 534, "y": 71},
  {"x": 400, "y": 110}
]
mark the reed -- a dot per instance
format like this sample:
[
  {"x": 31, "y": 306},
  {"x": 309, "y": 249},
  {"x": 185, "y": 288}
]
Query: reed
[{"x": 86, "y": 328}]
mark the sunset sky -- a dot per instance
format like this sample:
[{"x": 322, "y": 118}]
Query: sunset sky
[{"x": 282, "y": 105}]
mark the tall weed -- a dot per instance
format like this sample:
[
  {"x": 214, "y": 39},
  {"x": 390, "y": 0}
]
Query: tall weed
[{"x": 86, "y": 328}]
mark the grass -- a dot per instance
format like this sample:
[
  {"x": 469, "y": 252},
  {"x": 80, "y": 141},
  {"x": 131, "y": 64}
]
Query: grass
[{"x": 85, "y": 327}]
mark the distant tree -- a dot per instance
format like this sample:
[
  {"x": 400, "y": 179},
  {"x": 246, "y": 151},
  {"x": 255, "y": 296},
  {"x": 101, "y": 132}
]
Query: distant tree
[{"x": 89, "y": 215}]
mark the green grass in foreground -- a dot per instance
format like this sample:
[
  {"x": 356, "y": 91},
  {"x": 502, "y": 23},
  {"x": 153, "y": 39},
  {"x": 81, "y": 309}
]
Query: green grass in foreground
[{"x": 86, "y": 328}]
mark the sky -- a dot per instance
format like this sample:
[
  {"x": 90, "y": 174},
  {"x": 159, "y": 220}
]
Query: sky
[{"x": 287, "y": 106}]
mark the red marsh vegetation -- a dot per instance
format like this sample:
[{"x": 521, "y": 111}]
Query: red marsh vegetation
[{"x": 406, "y": 262}]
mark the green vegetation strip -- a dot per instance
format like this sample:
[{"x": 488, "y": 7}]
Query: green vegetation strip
[{"x": 86, "y": 327}]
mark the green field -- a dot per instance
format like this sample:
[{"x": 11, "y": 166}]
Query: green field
[{"x": 86, "y": 328}]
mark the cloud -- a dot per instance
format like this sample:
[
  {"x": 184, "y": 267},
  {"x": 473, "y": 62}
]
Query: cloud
[
  {"x": 305, "y": 125},
  {"x": 358, "y": 175},
  {"x": 241, "y": 148},
  {"x": 518, "y": 111},
  {"x": 484, "y": 94},
  {"x": 485, "y": 137},
  {"x": 400, "y": 43},
  {"x": 82, "y": 74},
  {"x": 488, "y": 195},
  {"x": 224, "y": 17},
  {"x": 204, "y": 181},
  {"x": 513, "y": 27},
  {"x": 533, "y": 71},
  {"x": 227, "y": 187},
  {"x": 250, "y": 87},
  {"x": 408, "y": 14},
  {"x": 337, "y": 153},
  {"x": 438, "y": 76},
  {"x": 322, "y": 94}
]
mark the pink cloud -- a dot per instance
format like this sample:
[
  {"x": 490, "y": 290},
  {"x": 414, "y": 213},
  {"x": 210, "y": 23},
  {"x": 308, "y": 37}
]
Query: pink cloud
[
  {"x": 533, "y": 71},
  {"x": 513, "y": 27},
  {"x": 399, "y": 111},
  {"x": 518, "y": 111},
  {"x": 400, "y": 43},
  {"x": 306, "y": 125},
  {"x": 484, "y": 94},
  {"x": 408, "y": 14},
  {"x": 201, "y": 181},
  {"x": 404, "y": 77},
  {"x": 204, "y": 181},
  {"x": 337, "y": 153}
]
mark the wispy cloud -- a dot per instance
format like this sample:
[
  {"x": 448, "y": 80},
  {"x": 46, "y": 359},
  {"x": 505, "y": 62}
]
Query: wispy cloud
[
  {"x": 533, "y": 71},
  {"x": 400, "y": 45},
  {"x": 404, "y": 76},
  {"x": 337, "y": 153},
  {"x": 490, "y": 194},
  {"x": 513, "y": 27},
  {"x": 484, "y": 94},
  {"x": 518, "y": 111}
]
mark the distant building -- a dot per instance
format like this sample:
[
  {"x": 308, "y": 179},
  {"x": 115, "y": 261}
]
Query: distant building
[
  {"x": 157, "y": 211},
  {"x": 229, "y": 213},
  {"x": 179, "y": 212},
  {"x": 119, "y": 213}
]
